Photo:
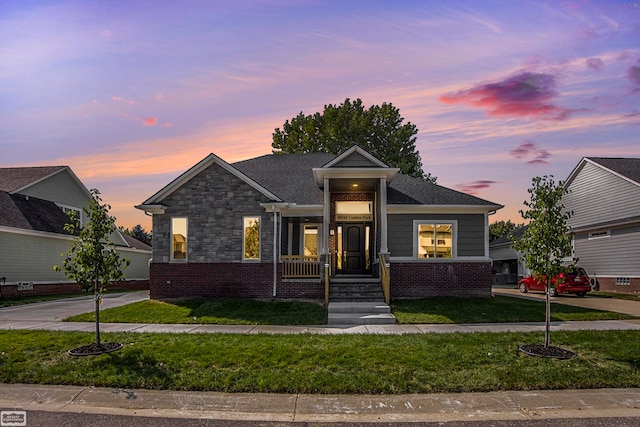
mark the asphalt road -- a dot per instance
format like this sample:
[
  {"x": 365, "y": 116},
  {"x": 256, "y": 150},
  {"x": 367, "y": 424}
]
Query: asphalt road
[{"x": 62, "y": 419}]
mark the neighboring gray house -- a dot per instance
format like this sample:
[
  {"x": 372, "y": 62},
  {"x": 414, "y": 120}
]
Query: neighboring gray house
[
  {"x": 33, "y": 206},
  {"x": 280, "y": 225},
  {"x": 508, "y": 267},
  {"x": 604, "y": 195}
]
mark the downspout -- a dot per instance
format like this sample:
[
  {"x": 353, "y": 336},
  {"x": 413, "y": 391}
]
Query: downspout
[{"x": 275, "y": 250}]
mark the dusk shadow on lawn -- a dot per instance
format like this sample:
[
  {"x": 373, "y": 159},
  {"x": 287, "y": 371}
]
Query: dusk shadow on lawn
[
  {"x": 255, "y": 312},
  {"x": 487, "y": 310}
]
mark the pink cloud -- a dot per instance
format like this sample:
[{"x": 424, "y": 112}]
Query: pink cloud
[
  {"x": 530, "y": 149},
  {"x": 475, "y": 186},
  {"x": 595, "y": 64},
  {"x": 121, "y": 99},
  {"x": 523, "y": 95},
  {"x": 150, "y": 121}
]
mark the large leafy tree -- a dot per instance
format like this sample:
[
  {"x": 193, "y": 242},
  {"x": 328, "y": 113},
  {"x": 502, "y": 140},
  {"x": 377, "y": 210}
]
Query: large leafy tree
[
  {"x": 546, "y": 242},
  {"x": 92, "y": 261},
  {"x": 138, "y": 232},
  {"x": 378, "y": 129},
  {"x": 501, "y": 228}
]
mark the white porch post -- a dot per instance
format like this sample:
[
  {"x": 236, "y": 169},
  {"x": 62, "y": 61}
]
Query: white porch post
[
  {"x": 326, "y": 213},
  {"x": 383, "y": 216}
]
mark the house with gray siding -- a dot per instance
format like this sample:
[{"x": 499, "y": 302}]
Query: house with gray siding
[
  {"x": 604, "y": 195},
  {"x": 306, "y": 225},
  {"x": 34, "y": 202}
]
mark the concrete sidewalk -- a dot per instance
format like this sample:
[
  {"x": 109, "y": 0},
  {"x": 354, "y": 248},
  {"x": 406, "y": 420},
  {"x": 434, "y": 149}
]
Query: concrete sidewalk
[
  {"x": 439, "y": 407},
  {"x": 49, "y": 315}
]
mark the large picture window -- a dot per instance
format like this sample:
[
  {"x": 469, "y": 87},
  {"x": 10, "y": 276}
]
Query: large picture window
[
  {"x": 179, "y": 238},
  {"x": 434, "y": 240},
  {"x": 251, "y": 238}
]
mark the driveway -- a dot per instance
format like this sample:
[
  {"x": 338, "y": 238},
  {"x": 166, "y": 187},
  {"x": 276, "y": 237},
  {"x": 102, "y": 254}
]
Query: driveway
[
  {"x": 57, "y": 310},
  {"x": 596, "y": 303}
]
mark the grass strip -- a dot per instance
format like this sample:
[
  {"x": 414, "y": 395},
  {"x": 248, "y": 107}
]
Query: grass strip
[
  {"x": 501, "y": 309},
  {"x": 324, "y": 364}
]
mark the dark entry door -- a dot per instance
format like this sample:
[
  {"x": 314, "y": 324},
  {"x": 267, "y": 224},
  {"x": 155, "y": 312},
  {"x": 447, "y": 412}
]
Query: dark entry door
[{"x": 353, "y": 241}]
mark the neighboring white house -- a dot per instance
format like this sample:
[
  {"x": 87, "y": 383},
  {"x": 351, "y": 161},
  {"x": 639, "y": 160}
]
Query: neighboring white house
[
  {"x": 604, "y": 195},
  {"x": 33, "y": 206}
]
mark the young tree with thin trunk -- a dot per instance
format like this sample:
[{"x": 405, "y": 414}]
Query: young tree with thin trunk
[
  {"x": 92, "y": 261},
  {"x": 546, "y": 242}
]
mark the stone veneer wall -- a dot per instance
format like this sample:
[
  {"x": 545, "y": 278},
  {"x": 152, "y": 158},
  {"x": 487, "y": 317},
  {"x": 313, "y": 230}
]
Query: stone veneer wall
[
  {"x": 214, "y": 203},
  {"x": 460, "y": 279}
]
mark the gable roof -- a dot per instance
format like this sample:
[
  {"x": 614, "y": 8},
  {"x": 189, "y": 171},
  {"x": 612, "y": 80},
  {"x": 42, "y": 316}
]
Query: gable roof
[
  {"x": 291, "y": 178},
  {"x": 154, "y": 202},
  {"x": 626, "y": 168},
  {"x": 30, "y": 213},
  {"x": 15, "y": 179}
]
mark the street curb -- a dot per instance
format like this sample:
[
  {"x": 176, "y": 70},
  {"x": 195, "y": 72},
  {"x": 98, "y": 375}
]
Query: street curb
[{"x": 440, "y": 407}]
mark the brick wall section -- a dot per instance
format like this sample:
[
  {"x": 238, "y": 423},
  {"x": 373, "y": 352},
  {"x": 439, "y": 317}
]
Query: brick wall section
[
  {"x": 461, "y": 279},
  {"x": 608, "y": 284},
  {"x": 225, "y": 280},
  {"x": 11, "y": 291}
]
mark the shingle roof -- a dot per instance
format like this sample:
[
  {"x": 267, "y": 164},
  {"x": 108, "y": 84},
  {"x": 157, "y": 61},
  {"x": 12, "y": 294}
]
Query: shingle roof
[
  {"x": 290, "y": 176},
  {"x": 627, "y": 167},
  {"x": 405, "y": 190},
  {"x": 12, "y": 179},
  {"x": 135, "y": 243},
  {"x": 30, "y": 213}
]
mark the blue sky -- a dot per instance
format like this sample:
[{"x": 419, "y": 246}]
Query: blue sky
[{"x": 130, "y": 94}]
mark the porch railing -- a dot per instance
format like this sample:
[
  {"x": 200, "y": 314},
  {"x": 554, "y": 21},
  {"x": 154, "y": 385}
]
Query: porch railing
[
  {"x": 385, "y": 277},
  {"x": 300, "y": 266}
]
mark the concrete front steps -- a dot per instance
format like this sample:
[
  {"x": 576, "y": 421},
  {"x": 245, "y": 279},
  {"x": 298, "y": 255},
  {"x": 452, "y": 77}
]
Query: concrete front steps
[
  {"x": 355, "y": 289},
  {"x": 360, "y": 313}
]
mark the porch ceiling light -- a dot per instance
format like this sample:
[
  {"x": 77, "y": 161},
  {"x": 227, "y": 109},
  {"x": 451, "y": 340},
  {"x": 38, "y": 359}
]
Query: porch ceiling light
[{"x": 354, "y": 185}]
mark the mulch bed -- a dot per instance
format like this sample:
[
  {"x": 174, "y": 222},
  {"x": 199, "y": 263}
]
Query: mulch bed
[
  {"x": 539, "y": 350},
  {"x": 95, "y": 349}
]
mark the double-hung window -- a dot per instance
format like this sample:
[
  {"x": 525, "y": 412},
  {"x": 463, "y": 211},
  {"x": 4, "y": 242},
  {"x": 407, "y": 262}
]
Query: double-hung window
[{"x": 434, "y": 239}]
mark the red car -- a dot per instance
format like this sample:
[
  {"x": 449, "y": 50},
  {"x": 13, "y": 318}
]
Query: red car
[{"x": 575, "y": 281}]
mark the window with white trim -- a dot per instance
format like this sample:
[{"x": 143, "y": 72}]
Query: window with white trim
[
  {"x": 251, "y": 238},
  {"x": 310, "y": 239},
  {"x": 179, "y": 239},
  {"x": 599, "y": 234},
  {"x": 77, "y": 213},
  {"x": 434, "y": 239}
]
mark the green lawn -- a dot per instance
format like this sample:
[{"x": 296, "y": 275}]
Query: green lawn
[
  {"x": 371, "y": 364},
  {"x": 213, "y": 311},
  {"x": 500, "y": 309}
]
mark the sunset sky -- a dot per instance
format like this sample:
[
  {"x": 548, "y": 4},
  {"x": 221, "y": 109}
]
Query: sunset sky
[{"x": 130, "y": 94}]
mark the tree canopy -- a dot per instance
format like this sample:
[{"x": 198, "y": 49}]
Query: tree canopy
[
  {"x": 501, "y": 228},
  {"x": 379, "y": 130}
]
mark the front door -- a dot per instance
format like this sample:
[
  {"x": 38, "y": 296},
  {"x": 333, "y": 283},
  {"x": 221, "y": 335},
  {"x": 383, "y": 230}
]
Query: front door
[{"x": 355, "y": 247}]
